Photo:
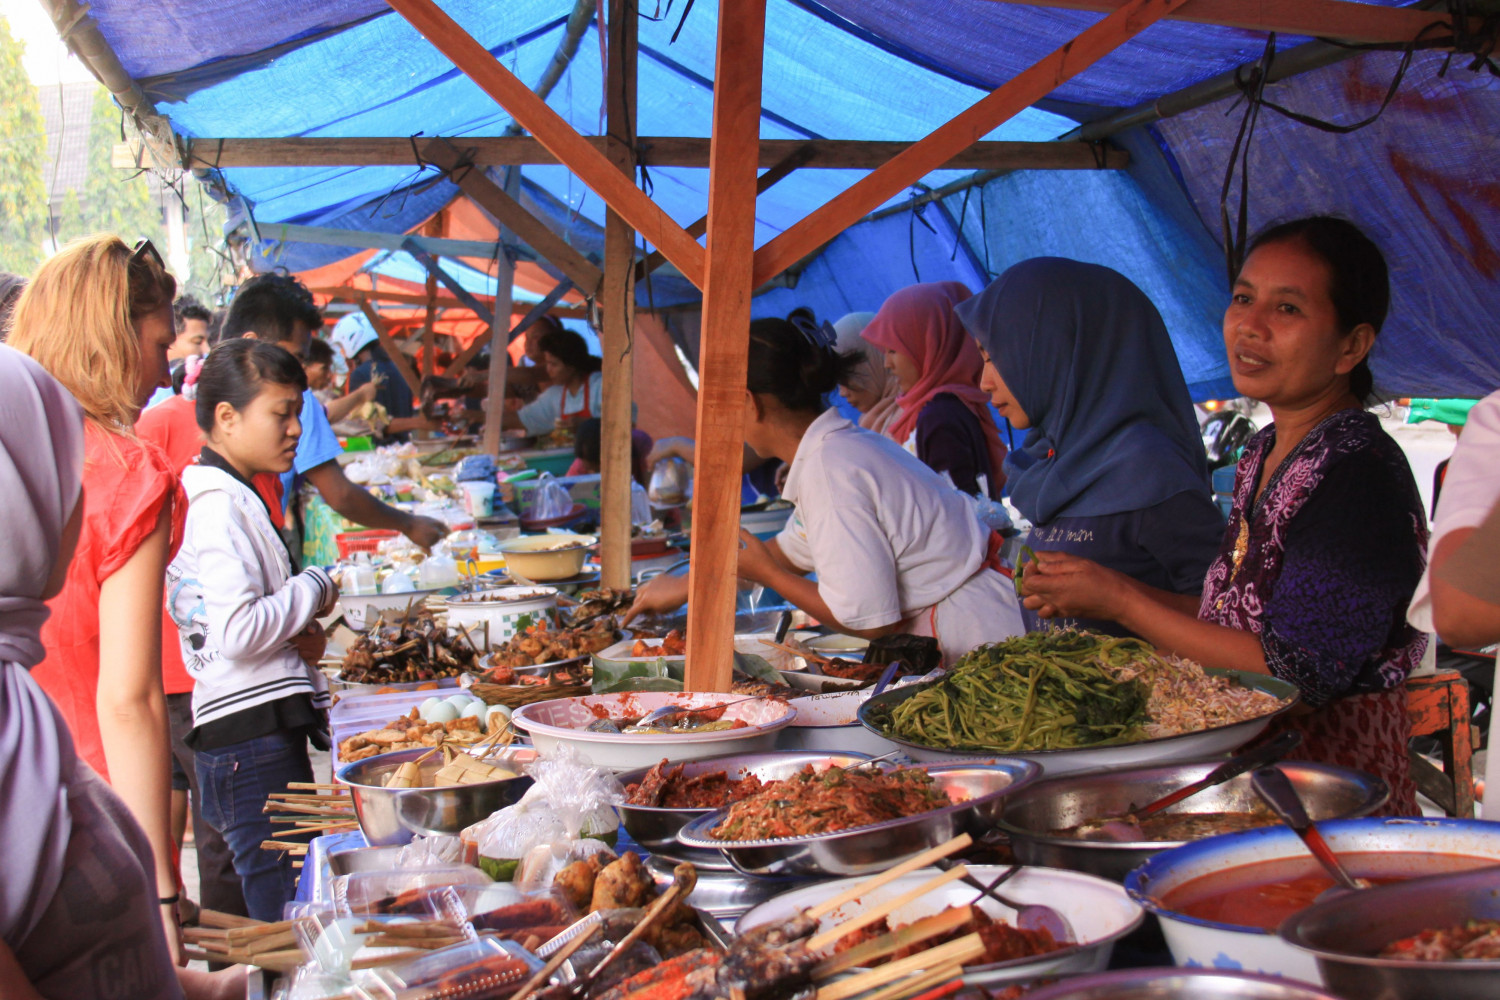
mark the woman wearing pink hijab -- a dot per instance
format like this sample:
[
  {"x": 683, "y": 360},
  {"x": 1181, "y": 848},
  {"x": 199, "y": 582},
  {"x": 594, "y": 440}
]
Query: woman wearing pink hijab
[{"x": 943, "y": 417}]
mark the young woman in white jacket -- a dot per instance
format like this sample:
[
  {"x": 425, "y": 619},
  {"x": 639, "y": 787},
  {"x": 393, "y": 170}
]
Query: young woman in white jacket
[{"x": 247, "y": 623}]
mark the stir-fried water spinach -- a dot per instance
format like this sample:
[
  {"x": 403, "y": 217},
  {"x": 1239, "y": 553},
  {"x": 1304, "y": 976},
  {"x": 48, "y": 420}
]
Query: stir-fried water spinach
[{"x": 1042, "y": 691}]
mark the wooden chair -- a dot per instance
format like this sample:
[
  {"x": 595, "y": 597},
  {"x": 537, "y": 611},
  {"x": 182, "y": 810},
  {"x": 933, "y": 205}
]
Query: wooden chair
[{"x": 1439, "y": 706}]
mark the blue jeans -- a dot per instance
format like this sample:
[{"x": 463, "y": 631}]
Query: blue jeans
[{"x": 235, "y": 781}]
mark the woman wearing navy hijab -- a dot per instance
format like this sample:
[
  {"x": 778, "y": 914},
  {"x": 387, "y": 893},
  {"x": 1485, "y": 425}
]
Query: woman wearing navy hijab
[{"x": 1113, "y": 467}]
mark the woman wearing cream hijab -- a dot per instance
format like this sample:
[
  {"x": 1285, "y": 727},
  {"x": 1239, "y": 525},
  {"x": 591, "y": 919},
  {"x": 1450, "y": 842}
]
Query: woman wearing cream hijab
[{"x": 870, "y": 388}]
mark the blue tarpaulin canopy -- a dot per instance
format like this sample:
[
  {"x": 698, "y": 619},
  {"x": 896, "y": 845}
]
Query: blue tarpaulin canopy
[{"x": 1421, "y": 179}]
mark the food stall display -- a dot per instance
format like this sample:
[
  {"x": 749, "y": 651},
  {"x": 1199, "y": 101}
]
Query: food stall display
[{"x": 594, "y": 858}]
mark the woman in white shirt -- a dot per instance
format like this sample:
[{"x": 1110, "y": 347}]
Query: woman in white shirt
[
  {"x": 893, "y": 546},
  {"x": 577, "y": 388}
]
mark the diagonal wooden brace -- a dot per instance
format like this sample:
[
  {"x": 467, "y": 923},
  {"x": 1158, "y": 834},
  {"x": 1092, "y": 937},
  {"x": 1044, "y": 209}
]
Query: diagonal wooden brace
[{"x": 573, "y": 150}]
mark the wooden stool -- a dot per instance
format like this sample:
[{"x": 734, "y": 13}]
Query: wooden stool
[{"x": 1439, "y": 706}]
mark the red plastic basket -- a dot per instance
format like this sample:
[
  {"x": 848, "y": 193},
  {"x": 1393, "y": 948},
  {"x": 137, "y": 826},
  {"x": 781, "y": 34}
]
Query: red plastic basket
[{"x": 351, "y": 542}]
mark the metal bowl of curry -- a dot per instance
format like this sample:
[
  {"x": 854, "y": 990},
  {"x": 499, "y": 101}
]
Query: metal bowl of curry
[
  {"x": 1043, "y": 821},
  {"x": 688, "y": 783},
  {"x": 970, "y": 796}
]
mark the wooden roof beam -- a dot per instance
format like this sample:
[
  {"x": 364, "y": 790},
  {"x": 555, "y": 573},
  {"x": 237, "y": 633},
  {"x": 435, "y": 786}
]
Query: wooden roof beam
[
  {"x": 590, "y": 165},
  {"x": 658, "y": 151},
  {"x": 1350, "y": 22},
  {"x": 926, "y": 155},
  {"x": 285, "y": 232},
  {"x": 535, "y": 233}
]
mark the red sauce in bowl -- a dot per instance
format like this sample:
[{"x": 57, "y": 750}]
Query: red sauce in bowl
[{"x": 1263, "y": 894}]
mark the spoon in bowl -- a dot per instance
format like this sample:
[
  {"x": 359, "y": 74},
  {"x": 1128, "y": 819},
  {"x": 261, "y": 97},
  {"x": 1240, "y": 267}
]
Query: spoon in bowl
[{"x": 1278, "y": 792}]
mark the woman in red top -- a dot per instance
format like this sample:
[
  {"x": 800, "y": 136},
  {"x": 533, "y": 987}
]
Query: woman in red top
[{"x": 98, "y": 317}]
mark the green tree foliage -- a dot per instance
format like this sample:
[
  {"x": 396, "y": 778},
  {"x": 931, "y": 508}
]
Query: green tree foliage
[
  {"x": 111, "y": 201},
  {"x": 23, "y": 151},
  {"x": 125, "y": 202}
]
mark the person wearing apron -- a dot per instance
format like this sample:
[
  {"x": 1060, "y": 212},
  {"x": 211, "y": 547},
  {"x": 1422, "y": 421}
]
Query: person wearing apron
[
  {"x": 576, "y": 392},
  {"x": 894, "y": 547}
]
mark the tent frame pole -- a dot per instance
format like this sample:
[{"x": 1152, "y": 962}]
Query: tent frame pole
[
  {"x": 725, "y": 345},
  {"x": 617, "y": 306}
]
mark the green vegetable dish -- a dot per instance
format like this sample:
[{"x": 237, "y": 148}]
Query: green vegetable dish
[{"x": 1042, "y": 691}]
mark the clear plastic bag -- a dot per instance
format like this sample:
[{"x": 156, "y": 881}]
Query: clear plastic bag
[
  {"x": 503, "y": 839},
  {"x": 403, "y": 893},
  {"x": 640, "y": 506},
  {"x": 539, "y": 868},
  {"x": 549, "y": 500},
  {"x": 332, "y": 943},
  {"x": 431, "y": 851}
]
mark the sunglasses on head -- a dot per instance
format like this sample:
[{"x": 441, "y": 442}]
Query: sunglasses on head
[
  {"x": 146, "y": 250},
  {"x": 821, "y": 336}
]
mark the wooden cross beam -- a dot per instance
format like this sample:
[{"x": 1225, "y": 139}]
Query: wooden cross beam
[
  {"x": 511, "y": 213},
  {"x": 286, "y": 232},
  {"x": 798, "y": 157},
  {"x": 922, "y": 157},
  {"x": 658, "y": 151},
  {"x": 532, "y": 113},
  {"x": 547, "y": 305},
  {"x": 392, "y": 349},
  {"x": 451, "y": 283},
  {"x": 1348, "y": 22}
]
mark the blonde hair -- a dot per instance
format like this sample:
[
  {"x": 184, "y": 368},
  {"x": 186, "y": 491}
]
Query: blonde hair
[{"x": 77, "y": 319}]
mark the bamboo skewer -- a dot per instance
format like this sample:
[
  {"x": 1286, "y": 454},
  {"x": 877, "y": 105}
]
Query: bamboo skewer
[
  {"x": 954, "y": 954},
  {"x": 890, "y": 875},
  {"x": 918, "y": 983},
  {"x": 297, "y": 807},
  {"x": 828, "y": 937},
  {"x": 554, "y": 963},
  {"x": 317, "y": 785},
  {"x": 915, "y": 933}
]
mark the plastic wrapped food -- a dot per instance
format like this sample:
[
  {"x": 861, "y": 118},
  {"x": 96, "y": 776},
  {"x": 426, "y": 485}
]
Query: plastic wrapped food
[{"x": 485, "y": 969}]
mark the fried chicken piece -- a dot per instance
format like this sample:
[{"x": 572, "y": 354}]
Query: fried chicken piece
[
  {"x": 350, "y": 756},
  {"x": 576, "y": 881},
  {"x": 385, "y": 737},
  {"x": 623, "y": 884},
  {"x": 675, "y": 940}
]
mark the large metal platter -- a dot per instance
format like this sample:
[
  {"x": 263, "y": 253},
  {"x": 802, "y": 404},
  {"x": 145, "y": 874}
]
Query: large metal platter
[
  {"x": 655, "y": 828},
  {"x": 1186, "y": 746},
  {"x": 980, "y": 787}
]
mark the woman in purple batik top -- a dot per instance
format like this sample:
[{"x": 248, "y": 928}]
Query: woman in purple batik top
[{"x": 1325, "y": 541}]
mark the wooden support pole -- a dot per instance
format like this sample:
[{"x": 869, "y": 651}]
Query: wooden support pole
[
  {"x": 513, "y": 215},
  {"x": 725, "y": 345},
  {"x": 572, "y": 149},
  {"x": 921, "y": 158},
  {"x": 392, "y": 349},
  {"x": 499, "y": 360},
  {"x": 429, "y": 328},
  {"x": 617, "y": 306}
]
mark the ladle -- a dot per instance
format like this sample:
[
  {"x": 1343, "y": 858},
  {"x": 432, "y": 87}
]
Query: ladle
[{"x": 1278, "y": 792}]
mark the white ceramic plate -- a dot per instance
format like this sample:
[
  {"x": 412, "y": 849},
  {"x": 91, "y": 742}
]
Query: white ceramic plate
[
  {"x": 565, "y": 721},
  {"x": 1099, "y": 911}
]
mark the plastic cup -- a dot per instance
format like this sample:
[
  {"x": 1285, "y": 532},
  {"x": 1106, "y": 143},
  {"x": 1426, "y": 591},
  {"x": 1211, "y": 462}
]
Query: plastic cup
[{"x": 479, "y": 499}]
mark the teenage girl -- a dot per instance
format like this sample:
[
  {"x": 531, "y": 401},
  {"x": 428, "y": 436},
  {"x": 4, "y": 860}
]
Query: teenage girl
[{"x": 247, "y": 623}]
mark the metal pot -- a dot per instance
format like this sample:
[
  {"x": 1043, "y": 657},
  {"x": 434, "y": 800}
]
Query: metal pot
[
  {"x": 1346, "y": 932},
  {"x": 1030, "y": 815},
  {"x": 392, "y": 816}
]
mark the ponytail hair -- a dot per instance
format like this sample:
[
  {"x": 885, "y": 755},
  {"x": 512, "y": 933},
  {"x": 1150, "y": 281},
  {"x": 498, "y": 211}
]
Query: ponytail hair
[
  {"x": 1359, "y": 281},
  {"x": 795, "y": 361}
]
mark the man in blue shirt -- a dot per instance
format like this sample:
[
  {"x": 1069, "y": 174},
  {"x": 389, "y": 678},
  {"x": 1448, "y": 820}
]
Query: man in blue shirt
[{"x": 279, "y": 308}]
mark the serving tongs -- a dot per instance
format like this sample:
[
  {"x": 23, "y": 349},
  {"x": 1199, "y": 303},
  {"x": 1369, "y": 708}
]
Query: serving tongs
[{"x": 684, "y": 879}]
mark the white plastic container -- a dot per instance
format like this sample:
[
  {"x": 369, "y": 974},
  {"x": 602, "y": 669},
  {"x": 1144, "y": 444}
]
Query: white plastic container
[{"x": 507, "y": 610}]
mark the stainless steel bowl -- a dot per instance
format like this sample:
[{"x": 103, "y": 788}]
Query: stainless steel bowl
[
  {"x": 363, "y": 859},
  {"x": 392, "y": 816},
  {"x": 1345, "y": 933},
  {"x": 979, "y": 787},
  {"x": 1179, "y": 984},
  {"x": 1164, "y": 749},
  {"x": 655, "y": 828},
  {"x": 1030, "y": 815}
]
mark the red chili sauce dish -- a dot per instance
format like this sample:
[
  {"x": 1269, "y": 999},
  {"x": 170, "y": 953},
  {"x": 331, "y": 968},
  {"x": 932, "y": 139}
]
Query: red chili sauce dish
[{"x": 1263, "y": 894}]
